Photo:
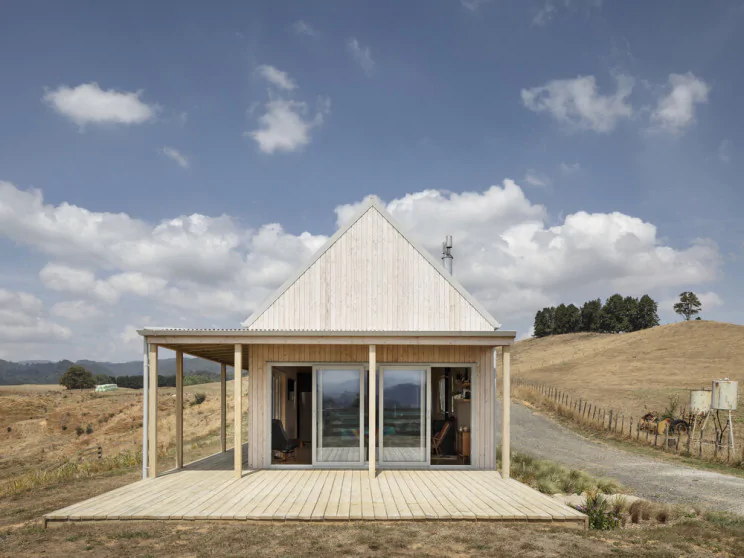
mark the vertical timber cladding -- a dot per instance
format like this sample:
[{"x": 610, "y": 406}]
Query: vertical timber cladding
[{"x": 483, "y": 390}]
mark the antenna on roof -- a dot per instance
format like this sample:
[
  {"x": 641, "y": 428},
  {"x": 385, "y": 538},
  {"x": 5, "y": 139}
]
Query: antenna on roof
[{"x": 447, "y": 253}]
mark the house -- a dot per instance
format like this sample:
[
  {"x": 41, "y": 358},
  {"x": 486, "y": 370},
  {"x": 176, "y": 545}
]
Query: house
[{"x": 369, "y": 388}]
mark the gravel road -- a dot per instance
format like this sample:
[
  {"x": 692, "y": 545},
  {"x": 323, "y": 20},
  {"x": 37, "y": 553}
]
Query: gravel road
[{"x": 653, "y": 479}]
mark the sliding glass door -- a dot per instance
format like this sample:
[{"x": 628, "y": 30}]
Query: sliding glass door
[
  {"x": 338, "y": 415},
  {"x": 404, "y": 415}
]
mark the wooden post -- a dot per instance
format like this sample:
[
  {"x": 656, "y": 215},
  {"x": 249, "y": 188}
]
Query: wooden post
[
  {"x": 179, "y": 409},
  {"x": 238, "y": 417},
  {"x": 152, "y": 421},
  {"x": 372, "y": 412},
  {"x": 223, "y": 407},
  {"x": 506, "y": 412},
  {"x": 609, "y": 424}
]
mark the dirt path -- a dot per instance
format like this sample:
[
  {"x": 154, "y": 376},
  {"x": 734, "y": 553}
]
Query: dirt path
[{"x": 537, "y": 435}]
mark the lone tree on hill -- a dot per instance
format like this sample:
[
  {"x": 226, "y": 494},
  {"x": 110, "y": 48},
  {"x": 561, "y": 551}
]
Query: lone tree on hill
[
  {"x": 689, "y": 305},
  {"x": 77, "y": 377}
]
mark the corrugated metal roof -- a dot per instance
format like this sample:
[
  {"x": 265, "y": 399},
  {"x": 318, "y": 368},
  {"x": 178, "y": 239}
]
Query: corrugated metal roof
[{"x": 273, "y": 332}]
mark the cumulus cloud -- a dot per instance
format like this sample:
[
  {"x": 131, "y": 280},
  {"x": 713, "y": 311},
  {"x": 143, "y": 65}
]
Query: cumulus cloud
[
  {"x": 276, "y": 77},
  {"x": 76, "y": 310},
  {"x": 89, "y": 104},
  {"x": 362, "y": 55},
  {"x": 509, "y": 252},
  {"x": 180, "y": 159},
  {"x": 675, "y": 111},
  {"x": 578, "y": 104},
  {"x": 22, "y": 320}
]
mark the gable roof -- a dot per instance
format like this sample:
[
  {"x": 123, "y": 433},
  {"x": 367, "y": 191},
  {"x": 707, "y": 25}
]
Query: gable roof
[{"x": 309, "y": 299}]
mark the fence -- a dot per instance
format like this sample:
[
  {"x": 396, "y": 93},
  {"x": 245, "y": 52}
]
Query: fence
[{"x": 689, "y": 441}]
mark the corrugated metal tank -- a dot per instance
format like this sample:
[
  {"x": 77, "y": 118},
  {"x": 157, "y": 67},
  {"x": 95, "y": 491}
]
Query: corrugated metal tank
[
  {"x": 724, "y": 395},
  {"x": 700, "y": 401}
]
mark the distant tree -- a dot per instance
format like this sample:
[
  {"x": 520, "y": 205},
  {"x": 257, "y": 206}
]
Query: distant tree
[
  {"x": 544, "y": 322},
  {"x": 612, "y": 317},
  {"x": 590, "y": 313},
  {"x": 647, "y": 313},
  {"x": 573, "y": 318},
  {"x": 104, "y": 379},
  {"x": 561, "y": 320},
  {"x": 77, "y": 377},
  {"x": 630, "y": 319},
  {"x": 689, "y": 305}
]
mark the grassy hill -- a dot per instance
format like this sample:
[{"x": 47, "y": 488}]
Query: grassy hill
[{"x": 636, "y": 371}]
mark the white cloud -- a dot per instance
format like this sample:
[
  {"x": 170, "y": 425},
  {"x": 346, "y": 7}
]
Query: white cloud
[
  {"x": 177, "y": 156},
  {"x": 473, "y": 5},
  {"x": 200, "y": 271},
  {"x": 676, "y": 110},
  {"x": 536, "y": 178},
  {"x": 76, "y": 310},
  {"x": 303, "y": 28},
  {"x": 285, "y": 126},
  {"x": 276, "y": 77},
  {"x": 577, "y": 103},
  {"x": 22, "y": 320},
  {"x": 570, "y": 168},
  {"x": 543, "y": 15},
  {"x": 710, "y": 300},
  {"x": 362, "y": 55},
  {"x": 89, "y": 104},
  {"x": 725, "y": 150}
]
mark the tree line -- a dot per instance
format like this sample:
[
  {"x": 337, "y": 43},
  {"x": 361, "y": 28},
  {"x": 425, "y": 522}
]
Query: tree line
[
  {"x": 78, "y": 377},
  {"x": 617, "y": 314}
]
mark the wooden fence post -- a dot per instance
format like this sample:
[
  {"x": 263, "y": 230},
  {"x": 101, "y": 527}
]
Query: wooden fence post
[
  {"x": 609, "y": 424},
  {"x": 656, "y": 435}
]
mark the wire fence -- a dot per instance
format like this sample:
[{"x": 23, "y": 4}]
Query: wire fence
[{"x": 689, "y": 435}]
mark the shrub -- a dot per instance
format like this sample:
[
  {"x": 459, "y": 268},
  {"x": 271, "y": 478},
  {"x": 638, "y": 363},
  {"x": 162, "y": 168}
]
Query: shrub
[
  {"x": 89, "y": 429},
  {"x": 10, "y": 429},
  {"x": 199, "y": 398},
  {"x": 79, "y": 430},
  {"x": 64, "y": 427},
  {"x": 601, "y": 515}
]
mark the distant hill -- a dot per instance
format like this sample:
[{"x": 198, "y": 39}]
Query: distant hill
[
  {"x": 46, "y": 372},
  {"x": 635, "y": 371}
]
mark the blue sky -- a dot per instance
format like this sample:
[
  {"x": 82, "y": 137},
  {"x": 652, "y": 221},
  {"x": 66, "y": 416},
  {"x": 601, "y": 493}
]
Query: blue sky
[{"x": 171, "y": 163}]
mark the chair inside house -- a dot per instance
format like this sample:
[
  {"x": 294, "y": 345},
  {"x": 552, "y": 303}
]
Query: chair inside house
[
  {"x": 436, "y": 440},
  {"x": 280, "y": 443}
]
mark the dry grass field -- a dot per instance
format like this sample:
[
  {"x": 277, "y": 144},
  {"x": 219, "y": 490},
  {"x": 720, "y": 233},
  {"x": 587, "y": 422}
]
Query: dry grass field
[
  {"x": 637, "y": 372},
  {"x": 40, "y": 425}
]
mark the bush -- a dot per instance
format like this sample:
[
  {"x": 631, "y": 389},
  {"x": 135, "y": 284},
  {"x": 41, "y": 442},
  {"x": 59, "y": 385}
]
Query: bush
[
  {"x": 602, "y": 516},
  {"x": 64, "y": 427},
  {"x": 89, "y": 429},
  {"x": 79, "y": 430},
  {"x": 199, "y": 398}
]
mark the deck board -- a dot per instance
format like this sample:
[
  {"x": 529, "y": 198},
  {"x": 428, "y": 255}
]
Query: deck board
[{"x": 208, "y": 490}]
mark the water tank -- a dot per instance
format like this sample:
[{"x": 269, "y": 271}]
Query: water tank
[
  {"x": 700, "y": 401},
  {"x": 724, "y": 395}
]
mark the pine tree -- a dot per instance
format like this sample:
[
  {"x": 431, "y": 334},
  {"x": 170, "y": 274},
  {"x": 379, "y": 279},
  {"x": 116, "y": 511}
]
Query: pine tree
[
  {"x": 590, "y": 312},
  {"x": 689, "y": 305},
  {"x": 544, "y": 322},
  {"x": 647, "y": 313},
  {"x": 630, "y": 321},
  {"x": 573, "y": 318},
  {"x": 612, "y": 315},
  {"x": 560, "y": 320}
]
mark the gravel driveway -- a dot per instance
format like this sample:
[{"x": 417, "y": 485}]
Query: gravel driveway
[{"x": 537, "y": 435}]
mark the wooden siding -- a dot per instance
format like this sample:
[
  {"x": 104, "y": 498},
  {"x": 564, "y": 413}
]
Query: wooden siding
[
  {"x": 372, "y": 279},
  {"x": 483, "y": 390}
]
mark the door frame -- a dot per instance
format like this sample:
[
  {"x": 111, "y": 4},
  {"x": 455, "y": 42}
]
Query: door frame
[
  {"x": 317, "y": 401},
  {"x": 426, "y": 418}
]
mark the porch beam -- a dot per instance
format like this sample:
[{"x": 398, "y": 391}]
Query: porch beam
[
  {"x": 238, "y": 417},
  {"x": 179, "y": 409},
  {"x": 488, "y": 341},
  {"x": 223, "y": 407},
  {"x": 372, "y": 413},
  {"x": 152, "y": 422},
  {"x": 506, "y": 412}
]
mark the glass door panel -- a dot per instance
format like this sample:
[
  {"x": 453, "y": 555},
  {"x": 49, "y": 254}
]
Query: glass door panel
[
  {"x": 338, "y": 436},
  {"x": 404, "y": 414}
]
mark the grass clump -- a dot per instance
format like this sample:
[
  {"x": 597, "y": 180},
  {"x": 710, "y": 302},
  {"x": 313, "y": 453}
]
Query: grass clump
[
  {"x": 68, "y": 471},
  {"x": 199, "y": 398},
  {"x": 602, "y": 516}
]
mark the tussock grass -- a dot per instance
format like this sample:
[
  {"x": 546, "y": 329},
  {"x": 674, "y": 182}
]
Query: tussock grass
[
  {"x": 550, "y": 477},
  {"x": 68, "y": 471}
]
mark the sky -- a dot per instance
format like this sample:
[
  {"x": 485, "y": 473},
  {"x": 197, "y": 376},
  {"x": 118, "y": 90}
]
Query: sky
[{"x": 172, "y": 163}]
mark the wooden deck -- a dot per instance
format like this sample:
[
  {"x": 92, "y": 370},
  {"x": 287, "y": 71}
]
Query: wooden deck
[{"x": 208, "y": 490}]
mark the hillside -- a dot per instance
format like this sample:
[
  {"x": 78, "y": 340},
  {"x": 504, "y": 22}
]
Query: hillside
[
  {"x": 635, "y": 371},
  {"x": 44, "y": 372}
]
